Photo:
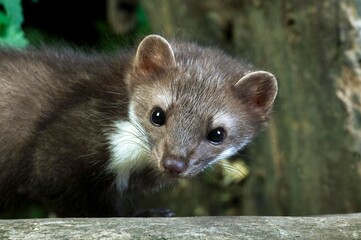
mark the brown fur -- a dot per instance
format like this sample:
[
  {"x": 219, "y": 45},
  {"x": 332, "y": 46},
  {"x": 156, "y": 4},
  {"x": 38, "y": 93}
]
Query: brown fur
[
  {"x": 57, "y": 108},
  {"x": 54, "y": 108}
]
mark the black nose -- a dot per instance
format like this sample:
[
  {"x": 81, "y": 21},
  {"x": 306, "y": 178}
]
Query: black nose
[{"x": 174, "y": 166}]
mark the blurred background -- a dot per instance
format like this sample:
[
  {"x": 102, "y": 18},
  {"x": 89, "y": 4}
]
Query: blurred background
[{"x": 308, "y": 161}]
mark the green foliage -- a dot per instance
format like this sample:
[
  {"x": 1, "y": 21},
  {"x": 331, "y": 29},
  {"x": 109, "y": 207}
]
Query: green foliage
[
  {"x": 11, "y": 19},
  {"x": 143, "y": 27}
]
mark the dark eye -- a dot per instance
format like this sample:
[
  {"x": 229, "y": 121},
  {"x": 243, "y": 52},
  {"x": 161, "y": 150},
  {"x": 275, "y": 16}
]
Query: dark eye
[
  {"x": 157, "y": 117},
  {"x": 217, "y": 135}
]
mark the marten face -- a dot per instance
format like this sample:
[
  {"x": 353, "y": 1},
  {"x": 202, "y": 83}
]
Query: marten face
[
  {"x": 190, "y": 107},
  {"x": 188, "y": 122}
]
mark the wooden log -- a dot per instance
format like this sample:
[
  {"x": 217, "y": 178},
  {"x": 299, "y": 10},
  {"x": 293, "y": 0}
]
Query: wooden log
[{"x": 223, "y": 228}]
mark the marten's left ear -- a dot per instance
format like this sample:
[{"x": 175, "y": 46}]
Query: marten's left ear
[
  {"x": 154, "y": 54},
  {"x": 257, "y": 90}
]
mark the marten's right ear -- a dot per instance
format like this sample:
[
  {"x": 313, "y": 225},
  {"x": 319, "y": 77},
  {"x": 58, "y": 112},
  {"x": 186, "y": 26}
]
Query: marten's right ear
[
  {"x": 258, "y": 91},
  {"x": 153, "y": 55}
]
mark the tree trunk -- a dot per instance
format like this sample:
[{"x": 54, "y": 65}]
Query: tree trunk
[{"x": 309, "y": 160}]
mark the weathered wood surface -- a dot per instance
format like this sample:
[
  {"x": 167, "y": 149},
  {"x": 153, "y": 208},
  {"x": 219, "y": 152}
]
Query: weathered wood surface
[{"x": 321, "y": 227}]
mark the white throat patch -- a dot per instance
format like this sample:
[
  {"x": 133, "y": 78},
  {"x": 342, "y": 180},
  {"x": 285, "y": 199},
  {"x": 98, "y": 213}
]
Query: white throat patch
[{"x": 129, "y": 151}]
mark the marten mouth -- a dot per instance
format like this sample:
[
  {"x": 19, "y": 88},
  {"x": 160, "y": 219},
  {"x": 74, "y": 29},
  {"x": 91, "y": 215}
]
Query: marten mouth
[
  {"x": 181, "y": 169},
  {"x": 192, "y": 170},
  {"x": 176, "y": 176},
  {"x": 187, "y": 174}
]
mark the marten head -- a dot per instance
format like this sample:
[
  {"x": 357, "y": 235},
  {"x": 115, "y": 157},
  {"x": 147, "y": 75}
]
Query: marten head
[{"x": 189, "y": 107}]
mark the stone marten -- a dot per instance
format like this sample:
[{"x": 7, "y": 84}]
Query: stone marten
[{"x": 80, "y": 131}]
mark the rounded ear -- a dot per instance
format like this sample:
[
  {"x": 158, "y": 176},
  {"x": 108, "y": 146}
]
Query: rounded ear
[
  {"x": 154, "y": 53},
  {"x": 257, "y": 90}
]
